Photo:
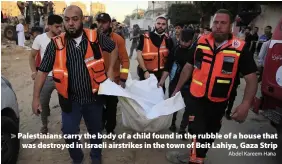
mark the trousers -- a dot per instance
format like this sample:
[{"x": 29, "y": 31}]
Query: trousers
[
  {"x": 185, "y": 117},
  {"x": 207, "y": 119},
  {"x": 109, "y": 113},
  {"x": 45, "y": 96},
  {"x": 92, "y": 115}
]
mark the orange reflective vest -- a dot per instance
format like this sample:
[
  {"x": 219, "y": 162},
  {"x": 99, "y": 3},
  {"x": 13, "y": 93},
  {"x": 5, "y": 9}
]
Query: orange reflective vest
[
  {"x": 154, "y": 57},
  {"x": 215, "y": 70},
  {"x": 94, "y": 63},
  {"x": 121, "y": 67}
]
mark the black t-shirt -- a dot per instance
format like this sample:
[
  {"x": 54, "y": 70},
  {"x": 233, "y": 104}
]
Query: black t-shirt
[
  {"x": 248, "y": 40},
  {"x": 176, "y": 61},
  {"x": 246, "y": 63},
  {"x": 156, "y": 40}
]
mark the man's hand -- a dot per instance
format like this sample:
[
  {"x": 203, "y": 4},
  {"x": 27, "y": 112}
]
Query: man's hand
[
  {"x": 36, "y": 106},
  {"x": 241, "y": 112},
  {"x": 33, "y": 75},
  {"x": 174, "y": 93},
  {"x": 146, "y": 75},
  {"x": 110, "y": 74},
  {"x": 161, "y": 83},
  {"x": 122, "y": 84}
]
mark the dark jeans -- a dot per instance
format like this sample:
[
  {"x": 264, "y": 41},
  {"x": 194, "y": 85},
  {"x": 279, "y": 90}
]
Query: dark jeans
[
  {"x": 92, "y": 115},
  {"x": 109, "y": 113},
  {"x": 185, "y": 118},
  {"x": 132, "y": 48}
]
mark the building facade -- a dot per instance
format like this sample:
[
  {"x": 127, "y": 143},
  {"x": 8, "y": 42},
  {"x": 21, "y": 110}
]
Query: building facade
[
  {"x": 97, "y": 7},
  {"x": 59, "y": 7}
]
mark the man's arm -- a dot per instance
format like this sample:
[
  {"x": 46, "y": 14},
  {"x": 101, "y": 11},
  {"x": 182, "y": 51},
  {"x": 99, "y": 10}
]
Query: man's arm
[
  {"x": 248, "y": 68},
  {"x": 45, "y": 67},
  {"x": 139, "y": 53},
  {"x": 140, "y": 60},
  {"x": 251, "y": 88},
  {"x": 32, "y": 60},
  {"x": 109, "y": 46},
  {"x": 185, "y": 75},
  {"x": 35, "y": 50},
  {"x": 167, "y": 68},
  {"x": 123, "y": 56}
]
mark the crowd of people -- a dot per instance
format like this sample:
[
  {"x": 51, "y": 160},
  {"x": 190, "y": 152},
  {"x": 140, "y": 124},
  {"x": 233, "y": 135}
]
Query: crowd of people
[{"x": 203, "y": 64}]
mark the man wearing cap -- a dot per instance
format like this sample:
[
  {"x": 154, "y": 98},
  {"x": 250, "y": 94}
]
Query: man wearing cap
[
  {"x": 121, "y": 69},
  {"x": 173, "y": 68},
  {"x": 153, "y": 50}
]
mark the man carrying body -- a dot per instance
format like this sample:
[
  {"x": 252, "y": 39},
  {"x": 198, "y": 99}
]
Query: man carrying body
[
  {"x": 173, "y": 68},
  {"x": 37, "y": 53},
  {"x": 109, "y": 115},
  {"x": 153, "y": 50},
  {"x": 78, "y": 69},
  {"x": 213, "y": 69}
]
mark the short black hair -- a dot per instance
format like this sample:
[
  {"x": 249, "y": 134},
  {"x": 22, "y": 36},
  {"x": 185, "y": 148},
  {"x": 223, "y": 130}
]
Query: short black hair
[
  {"x": 269, "y": 27},
  {"x": 179, "y": 24},
  {"x": 224, "y": 11},
  {"x": 54, "y": 19},
  {"x": 187, "y": 35}
]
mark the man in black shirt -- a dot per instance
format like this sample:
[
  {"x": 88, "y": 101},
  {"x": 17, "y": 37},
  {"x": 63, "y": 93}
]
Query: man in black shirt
[
  {"x": 176, "y": 61},
  {"x": 80, "y": 99},
  {"x": 153, "y": 50},
  {"x": 254, "y": 40},
  {"x": 135, "y": 39},
  {"x": 217, "y": 56},
  {"x": 248, "y": 37}
]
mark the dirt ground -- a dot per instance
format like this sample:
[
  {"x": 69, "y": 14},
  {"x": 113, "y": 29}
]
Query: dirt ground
[{"x": 15, "y": 67}]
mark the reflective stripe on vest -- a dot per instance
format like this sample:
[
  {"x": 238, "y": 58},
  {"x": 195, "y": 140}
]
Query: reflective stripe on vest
[
  {"x": 151, "y": 55},
  {"x": 214, "y": 74},
  {"x": 94, "y": 64}
]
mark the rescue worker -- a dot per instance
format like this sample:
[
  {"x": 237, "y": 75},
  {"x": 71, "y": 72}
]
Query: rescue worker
[
  {"x": 120, "y": 70},
  {"x": 37, "y": 53},
  {"x": 173, "y": 68},
  {"x": 153, "y": 50},
  {"x": 135, "y": 39},
  {"x": 78, "y": 69},
  {"x": 213, "y": 68}
]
